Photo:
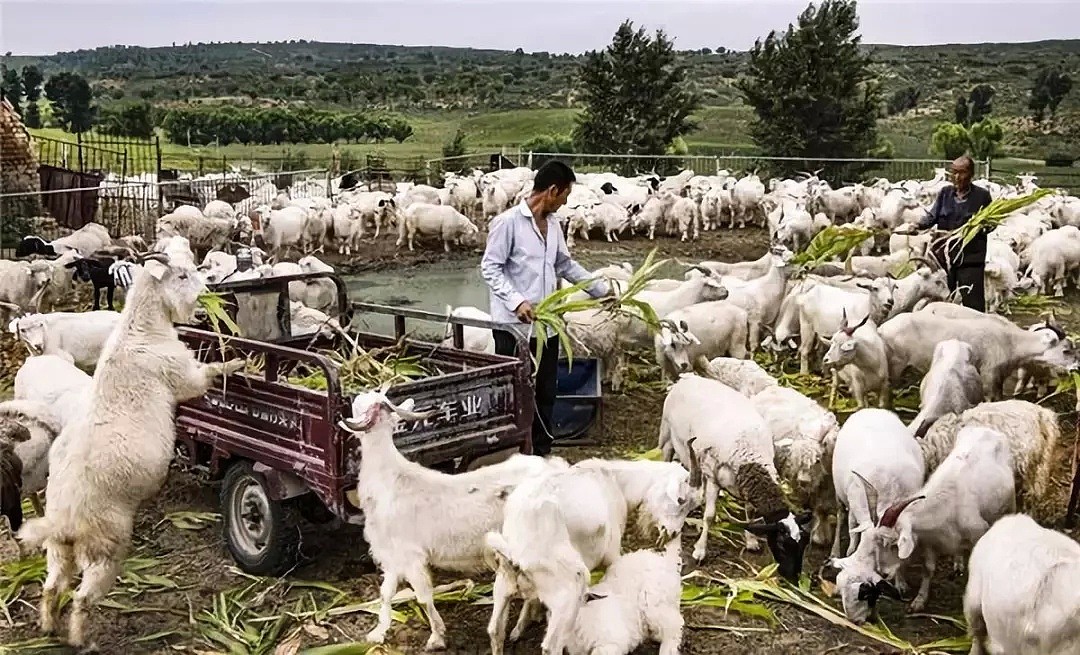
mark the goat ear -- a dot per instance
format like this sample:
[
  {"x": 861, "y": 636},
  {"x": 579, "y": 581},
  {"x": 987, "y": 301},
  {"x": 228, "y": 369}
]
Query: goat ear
[
  {"x": 887, "y": 589},
  {"x": 862, "y": 527},
  {"x": 155, "y": 268},
  {"x": 905, "y": 544}
]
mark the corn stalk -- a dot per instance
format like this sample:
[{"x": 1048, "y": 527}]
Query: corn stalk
[
  {"x": 833, "y": 242},
  {"x": 992, "y": 215},
  {"x": 765, "y": 587},
  {"x": 551, "y": 312}
]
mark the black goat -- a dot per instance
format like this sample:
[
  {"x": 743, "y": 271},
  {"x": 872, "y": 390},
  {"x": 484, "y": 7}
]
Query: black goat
[
  {"x": 34, "y": 246},
  {"x": 96, "y": 271}
]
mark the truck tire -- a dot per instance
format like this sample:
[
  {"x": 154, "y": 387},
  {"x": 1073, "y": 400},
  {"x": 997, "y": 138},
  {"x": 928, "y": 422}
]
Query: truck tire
[{"x": 262, "y": 535}]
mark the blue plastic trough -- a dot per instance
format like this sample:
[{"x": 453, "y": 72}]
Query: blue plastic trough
[{"x": 579, "y": 398}]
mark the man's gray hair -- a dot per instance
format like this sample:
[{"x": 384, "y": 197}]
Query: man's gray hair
[{"x": 968, "y": 161}]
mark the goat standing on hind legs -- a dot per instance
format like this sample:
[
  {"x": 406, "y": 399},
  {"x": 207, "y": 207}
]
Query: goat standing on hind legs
[{"x": 109, "y": 461}]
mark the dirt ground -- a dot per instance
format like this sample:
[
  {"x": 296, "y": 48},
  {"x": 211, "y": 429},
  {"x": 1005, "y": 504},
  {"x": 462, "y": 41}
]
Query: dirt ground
[{"x": 166, "y": 606}]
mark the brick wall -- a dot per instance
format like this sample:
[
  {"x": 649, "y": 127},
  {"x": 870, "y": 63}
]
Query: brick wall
[{"x": 18, "y": 173}]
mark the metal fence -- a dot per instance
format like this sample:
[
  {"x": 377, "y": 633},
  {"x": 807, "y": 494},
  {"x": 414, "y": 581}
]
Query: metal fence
[
  {"x": 1061, "y": 177},
  {"x": 837, "y": 171},
  {"x": 80, "y": 157},
  {"x": 132, "y": 206}
]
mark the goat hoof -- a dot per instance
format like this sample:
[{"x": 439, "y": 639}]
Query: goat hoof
[
  {"x": 698, "y": 554},
  {"x": 376, "y": 636},
  {"x": 916, "y": 606},
  {"x": 435, "y": 642}
]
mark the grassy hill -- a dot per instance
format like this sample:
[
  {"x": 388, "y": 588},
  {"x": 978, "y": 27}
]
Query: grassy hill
[{"x": 501, "y": 97}]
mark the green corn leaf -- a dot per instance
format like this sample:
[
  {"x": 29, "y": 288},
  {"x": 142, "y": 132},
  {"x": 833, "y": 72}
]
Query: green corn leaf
[{"x": 993, "y": 214}]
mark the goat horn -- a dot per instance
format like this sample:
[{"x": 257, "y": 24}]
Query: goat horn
[
  {"x": 159, "y": 257},
  {"x": 871, "y": 496},
  {"x": 931, "y": 264},
  {"x": 888, "y": 519},
  {"x": 843, "y": 319},
  {"x": 11, "y": 307},
  {"x": 860, "y": 324},
  {"x": 695, "y": 465},
  {"x": 409, "y": 415},
  {"x": 699, "y": 267}
]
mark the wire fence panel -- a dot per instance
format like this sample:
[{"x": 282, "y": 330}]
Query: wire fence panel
[
  {"x": 80, "y": 157},
  {"x": 838, "y": 172},
  {"x": 626, "y": 165},
  {"x": 132, "y": 206},
  {"x": 1066, "y": 178}
]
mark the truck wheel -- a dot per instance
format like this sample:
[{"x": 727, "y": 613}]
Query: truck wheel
[{"x": 262, "y": 535}]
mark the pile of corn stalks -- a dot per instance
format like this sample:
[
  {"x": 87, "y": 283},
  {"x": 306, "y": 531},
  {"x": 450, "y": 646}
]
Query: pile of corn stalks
[{"x": 358, "y": 369}]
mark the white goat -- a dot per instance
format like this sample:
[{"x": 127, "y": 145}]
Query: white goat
[
  {"x": 951, "y": 385},
  {"x": 742, "y": 375},
  {"x": 1021, "y": 590},
  {"x": 27, "y": 430},
  {"x": 475, "y": 339},
  {"x": 971, "y": 489},
  {"x": 707, "y": 329},
  {"x": 1033, "y": 433},
  {"x": 395, "y": 492},
  {"x": 875, "y": 464},
  {"x": 57, "y": 383},
  {"x": 81, "y": 334},
  {"x": 548, "y": 543},
  {"x": 638, "y": 598},
  {"x": 735, "y": 454},
  {"x": 106, "y": 463}
]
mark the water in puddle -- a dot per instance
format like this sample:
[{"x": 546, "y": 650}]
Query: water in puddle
[{"x": 430, "y": 288}]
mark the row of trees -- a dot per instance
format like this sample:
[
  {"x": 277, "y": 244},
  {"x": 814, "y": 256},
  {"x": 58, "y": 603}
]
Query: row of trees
[
  {"x": 277, "y": 125},
  {"x": 14, "y": 85},
  {"x": 811, "y": 87},
  {"x": 69, "y": 95}
]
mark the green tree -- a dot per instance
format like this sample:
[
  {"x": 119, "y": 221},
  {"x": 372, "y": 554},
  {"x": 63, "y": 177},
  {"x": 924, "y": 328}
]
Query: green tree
[
  {"x": 456, "y": 146},
  {"x": 982, "y": 140},
  {"x": 135, "y": 119},
  {"x": 72, "y": 101},
  {"x": 636, "y": 95},
  {"x": 976, "y": 106},
  {"x": 950, "y": 140},
  {"x": 812, "y": 89},
  {"x": 11, "y": 87},
  {"x": 31, "y": 85},
  {"x": 400, "y": 130},
  {"x": 903, "y": 99},
  {"x": 986, "y": 137},
  {"x": 1049, "y": 89}
]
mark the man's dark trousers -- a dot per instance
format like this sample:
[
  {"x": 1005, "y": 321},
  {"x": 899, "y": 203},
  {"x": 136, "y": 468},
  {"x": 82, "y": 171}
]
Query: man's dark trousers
[
  {"x": 546, "y": 376},
  {"x": 969, "y": 275}
]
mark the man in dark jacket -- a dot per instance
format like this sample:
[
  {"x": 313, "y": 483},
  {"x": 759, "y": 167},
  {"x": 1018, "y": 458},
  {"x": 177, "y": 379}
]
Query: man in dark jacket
[{"x": 955, "y": 205}]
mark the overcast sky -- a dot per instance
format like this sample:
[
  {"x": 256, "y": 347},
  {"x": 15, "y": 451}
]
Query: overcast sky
[{"x": 45, "y": 26}]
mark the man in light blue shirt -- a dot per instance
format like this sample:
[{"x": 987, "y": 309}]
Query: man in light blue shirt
[{"x": 526, "y": 255}]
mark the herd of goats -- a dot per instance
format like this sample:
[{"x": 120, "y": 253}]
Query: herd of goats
[{"x": 91, "y": 424}]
